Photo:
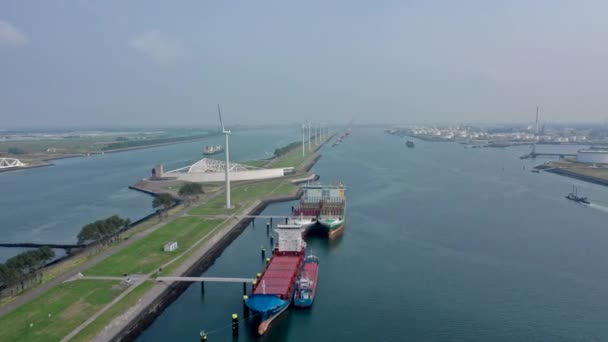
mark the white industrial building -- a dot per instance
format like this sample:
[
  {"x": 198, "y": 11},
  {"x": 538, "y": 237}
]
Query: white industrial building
[
  {"x": 212, "y": 170},
  {"x": 592, "y": 156}
]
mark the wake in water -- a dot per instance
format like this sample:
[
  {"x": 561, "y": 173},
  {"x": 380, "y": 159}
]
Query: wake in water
[{"x": 599, "y": 207}]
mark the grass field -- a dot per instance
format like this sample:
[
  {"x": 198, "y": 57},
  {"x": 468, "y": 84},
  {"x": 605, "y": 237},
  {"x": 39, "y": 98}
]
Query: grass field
[
  {"x": 243, "y": 195},
  {"x": 69, "y": 305},
  {"x": 184, "y": 230},
  {"x": 88, "y": 333}
]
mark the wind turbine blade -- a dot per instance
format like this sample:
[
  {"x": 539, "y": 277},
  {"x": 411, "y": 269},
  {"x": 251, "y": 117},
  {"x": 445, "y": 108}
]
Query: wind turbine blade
[{"x": 219, "y": 112}]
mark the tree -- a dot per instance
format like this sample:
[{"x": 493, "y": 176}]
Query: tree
[
  {"x": 190, "y": 191},
  {"x": 102, "y": 230},
  {"x": 162, "y": 203},
  {"x": 16, "y": 150}
]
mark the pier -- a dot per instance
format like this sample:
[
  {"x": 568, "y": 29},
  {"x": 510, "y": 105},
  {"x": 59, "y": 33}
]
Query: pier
[{"x": 533, "y": 155}]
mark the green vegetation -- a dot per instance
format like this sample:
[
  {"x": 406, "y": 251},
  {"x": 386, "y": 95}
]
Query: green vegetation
[
  {"x": 136, "y": 143},
  {"x": 257, "y": 163},
  {"x": 190, "y": 192},
  {"x": 16, "y": 150},
  {"x": 88, "y": 333},
  {"x": 283, "y": 150},
  {"x": 162, "y": 203},
  {"x": 102, "y": 230},
  {"x": 243, "y": 195},
  {"x": 57, "y": 312},
  {"x": 146, "y": 255},
  {"x": 24, "y": 266}
]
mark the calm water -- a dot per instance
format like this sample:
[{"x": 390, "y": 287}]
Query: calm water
[
  {"x": 442, "y": 244},
  {"x": 51, "y": 204}
]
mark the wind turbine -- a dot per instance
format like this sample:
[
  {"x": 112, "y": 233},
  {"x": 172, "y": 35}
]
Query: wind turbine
[
  {"x": 309, "y": 126},
  {"x": 303, "y": 145},
  {"x": 227, "y": 152}
]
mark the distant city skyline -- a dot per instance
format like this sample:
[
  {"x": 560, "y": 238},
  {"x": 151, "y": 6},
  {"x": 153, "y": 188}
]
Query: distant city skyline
[{"x": 152, "y": 63}]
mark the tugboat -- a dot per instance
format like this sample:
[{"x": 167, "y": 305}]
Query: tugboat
[
  {"x": 307, "y": 283},
  {"x": 409, "y": 144},
  {"x": 573, "y": 196},
  {"x": 274, "y": 290},
  {"x": 209, "y": 150}
]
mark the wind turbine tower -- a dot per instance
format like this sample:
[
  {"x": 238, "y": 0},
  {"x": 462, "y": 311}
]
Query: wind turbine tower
[
  {"x": 303, "y": 145},
  {"x": 535, "y": 133},
  {"x": 309, "y": 126},
  {"x": 227, "y": 152}
]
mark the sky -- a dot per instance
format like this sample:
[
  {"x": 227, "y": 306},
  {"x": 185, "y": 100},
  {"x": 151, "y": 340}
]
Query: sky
[{"x": 125, "y": 63}]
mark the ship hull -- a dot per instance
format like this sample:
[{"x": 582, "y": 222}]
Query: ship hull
[
  {"x": 267, "y": 307},
  {"x": 332, "y": 227}
]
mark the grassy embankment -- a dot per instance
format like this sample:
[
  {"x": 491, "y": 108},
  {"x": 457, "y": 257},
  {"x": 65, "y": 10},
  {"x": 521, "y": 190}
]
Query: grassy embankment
[{"x": 76, "y": 301}]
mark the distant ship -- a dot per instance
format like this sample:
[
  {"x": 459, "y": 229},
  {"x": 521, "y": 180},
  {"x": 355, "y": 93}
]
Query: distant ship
[
  {"x": 274, "y": 290},
  {"x": 573, "y": 196},
  {"x": 322, "y": 209},
  {"x": 307, "y": 283},
  {"x": 213, "y": 149},
  {"x": 409, "y": 144}
]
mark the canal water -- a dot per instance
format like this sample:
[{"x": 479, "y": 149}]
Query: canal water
[
  {"x": 51, "y": 204},
  {"x": 442, "y": 244}
]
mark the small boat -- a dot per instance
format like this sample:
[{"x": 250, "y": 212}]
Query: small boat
[
  {"x": 535, "y": 171},
  {"x": 409, "y": 144},
  {"x": 307, "y": 283},
  {"x": 209, "y": 150},
  {"x": 573, "y": 196}
]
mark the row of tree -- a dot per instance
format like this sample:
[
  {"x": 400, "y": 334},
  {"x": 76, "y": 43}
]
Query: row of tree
[
  {"x": 103, "y": 230},
  {"x": 24, "y": 266},
  {"x": 136, "y": 143}
]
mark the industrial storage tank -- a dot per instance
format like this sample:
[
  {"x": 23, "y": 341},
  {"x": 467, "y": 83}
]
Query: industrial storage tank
[{"x": 592, "y": 155}]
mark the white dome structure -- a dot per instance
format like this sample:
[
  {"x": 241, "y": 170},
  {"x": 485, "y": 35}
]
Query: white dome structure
[{"x": 213, "y": 170}]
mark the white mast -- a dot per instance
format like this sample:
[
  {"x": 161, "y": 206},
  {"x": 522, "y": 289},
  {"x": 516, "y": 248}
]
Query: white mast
[
  {"x": 227, "y": 152},
  {"x": 309, "y": 126},
  {"x": 303, "y": 145}
]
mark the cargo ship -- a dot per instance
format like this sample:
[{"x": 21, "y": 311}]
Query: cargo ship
[
  {"x": 275, "y": 288},
  {"x": 213, "y": 149},
  {"x": 322, "y": 209},
  {"x": 307, "y": 283}
]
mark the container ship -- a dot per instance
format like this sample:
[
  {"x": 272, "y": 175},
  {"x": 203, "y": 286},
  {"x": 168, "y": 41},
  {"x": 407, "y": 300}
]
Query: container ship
[
  {"x": 307, "y": 283},
  {"x": 213, "y": 149},
  {"x": 322, "y": 209},
  {"x": 274, "y": 290}
]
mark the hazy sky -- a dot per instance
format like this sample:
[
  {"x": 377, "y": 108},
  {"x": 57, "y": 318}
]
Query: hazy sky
[{"x": 170, "y": 62}]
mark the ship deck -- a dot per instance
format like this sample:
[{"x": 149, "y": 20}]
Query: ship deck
[{"x": 280, "y": 275}]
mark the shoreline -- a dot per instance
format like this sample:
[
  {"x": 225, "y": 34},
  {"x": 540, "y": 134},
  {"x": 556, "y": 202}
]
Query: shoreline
[{"x": 48, "y": 161}]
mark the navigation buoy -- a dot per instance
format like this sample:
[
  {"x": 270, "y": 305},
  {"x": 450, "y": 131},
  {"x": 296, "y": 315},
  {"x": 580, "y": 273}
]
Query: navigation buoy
[
  {"x": 245, "y": 307},
  {"x": 235, "y": 324}
]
